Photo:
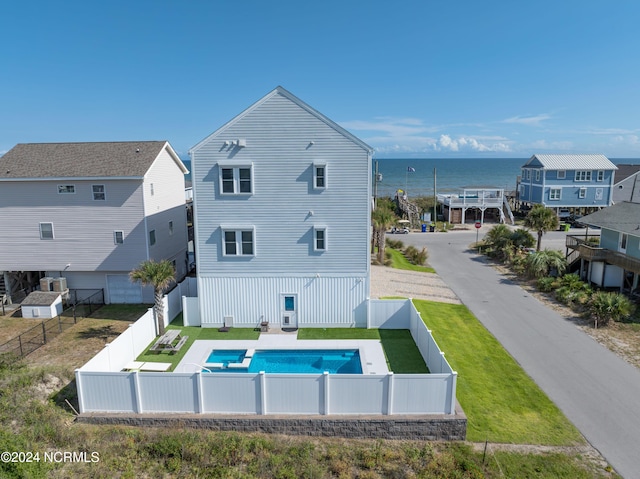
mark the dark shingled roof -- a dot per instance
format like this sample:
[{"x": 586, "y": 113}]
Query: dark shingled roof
[
  {"x": 80, "y": 160},
  {"x": 40, "y": 298},
  {"x": 625, "y": 171},
  {"x": 623, "y": 217}
]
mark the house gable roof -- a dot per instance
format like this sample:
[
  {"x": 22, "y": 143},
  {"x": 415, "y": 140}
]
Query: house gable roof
[
  {"x": 281, "y": 91},
  {"x": 83, "y": 160},
  {"x": 623, "y": 217},
  {"x": 570, "y": 162},
  {"x": 625, "y": 171}
]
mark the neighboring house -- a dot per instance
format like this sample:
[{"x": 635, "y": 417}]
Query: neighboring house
[
  {"x": 282, "y": 199},
  {"x": 627, "y": 184},
  {"x": 91, "y": 212},
  {"x": 615, "y": 261},
  {"x": 567, "y": 181},
  {"x": 476, "y": 204}
]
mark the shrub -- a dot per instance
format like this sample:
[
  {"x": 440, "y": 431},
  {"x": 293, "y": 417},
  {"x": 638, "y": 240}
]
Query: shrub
[
  {"x": 395, "y": 244},
  {"x": 604, "y": 307},
  {"x": 546, "y": 284},
  {"x": 541, "y": 263}
]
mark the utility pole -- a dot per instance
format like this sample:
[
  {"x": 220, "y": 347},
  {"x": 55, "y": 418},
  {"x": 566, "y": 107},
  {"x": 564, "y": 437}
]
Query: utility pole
[{"x": 435, "y": 198}]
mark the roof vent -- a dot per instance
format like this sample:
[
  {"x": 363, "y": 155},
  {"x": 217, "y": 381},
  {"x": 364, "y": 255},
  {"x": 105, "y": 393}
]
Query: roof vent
[{"x": 137, "y": 150}]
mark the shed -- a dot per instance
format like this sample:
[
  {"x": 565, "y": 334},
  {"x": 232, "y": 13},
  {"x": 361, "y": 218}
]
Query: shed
[{"x": 40, "y": 304}]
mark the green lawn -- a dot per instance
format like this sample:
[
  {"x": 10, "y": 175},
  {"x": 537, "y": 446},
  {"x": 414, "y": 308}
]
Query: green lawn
[
  {"x": 501, "y": 402},
  {"x": 399, "y": 261},
  {"x": 403, "y": 356},
  {"x": 194, "y": 332}
]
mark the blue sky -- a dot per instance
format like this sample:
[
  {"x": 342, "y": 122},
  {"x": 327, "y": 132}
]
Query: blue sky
[{"x": 433, "y": 79}]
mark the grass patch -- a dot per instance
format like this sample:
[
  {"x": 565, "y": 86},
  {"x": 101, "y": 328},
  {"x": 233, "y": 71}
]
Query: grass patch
[
  {"x": 399, "y": 261},
  {"x": 502, "y": 403},
  {"x": 194, "y": 333},
  {"x": 403, "y": 356}
]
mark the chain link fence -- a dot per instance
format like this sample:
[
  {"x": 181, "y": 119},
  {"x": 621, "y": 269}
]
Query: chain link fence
[{"x": 84, "y": 303}]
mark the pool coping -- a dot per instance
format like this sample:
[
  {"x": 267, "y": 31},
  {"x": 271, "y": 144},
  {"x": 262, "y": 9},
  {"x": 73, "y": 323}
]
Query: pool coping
[{"x": 372, "y": 356}]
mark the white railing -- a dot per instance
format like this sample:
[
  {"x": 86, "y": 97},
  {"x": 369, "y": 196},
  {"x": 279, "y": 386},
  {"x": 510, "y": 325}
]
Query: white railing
[{"x": 103, "y": 387}]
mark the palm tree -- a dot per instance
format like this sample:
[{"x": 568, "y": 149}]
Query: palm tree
[
  {"x": 541, "y": 219},
  {"x": 539, "y": 264},
  {"x": 382, "y": 219},
  {"x": 159, "y": 275}
]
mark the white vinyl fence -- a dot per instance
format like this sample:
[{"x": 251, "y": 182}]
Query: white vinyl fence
[{"x": 102, "y": 387}]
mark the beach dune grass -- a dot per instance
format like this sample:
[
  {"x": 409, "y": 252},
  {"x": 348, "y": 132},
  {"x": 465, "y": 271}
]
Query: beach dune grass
[
  {"x": 399, "y": 261},
  {"x": 502, "y": 403}
]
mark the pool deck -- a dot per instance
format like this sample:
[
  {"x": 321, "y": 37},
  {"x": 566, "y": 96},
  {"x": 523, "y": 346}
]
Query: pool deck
[{"x": 371, "y": 353}]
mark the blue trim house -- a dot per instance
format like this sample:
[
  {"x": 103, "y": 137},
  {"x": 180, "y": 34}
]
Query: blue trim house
[
  {"x": 282, "y": 219},
  {"x": 615, "y": 262},
  {"x": 567, "y": 181}
]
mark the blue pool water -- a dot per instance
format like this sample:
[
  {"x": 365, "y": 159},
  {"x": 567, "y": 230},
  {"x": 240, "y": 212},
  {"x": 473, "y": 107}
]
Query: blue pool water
[
  {"x": 226, "y": 356},
  {"x": 301, "y": 361}
]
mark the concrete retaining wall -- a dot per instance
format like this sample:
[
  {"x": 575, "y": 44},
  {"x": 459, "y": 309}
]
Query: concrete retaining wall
[{"x": 427, "y": 428}]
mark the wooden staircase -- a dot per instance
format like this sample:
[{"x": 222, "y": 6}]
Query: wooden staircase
[{"x": 408, "y": 209}]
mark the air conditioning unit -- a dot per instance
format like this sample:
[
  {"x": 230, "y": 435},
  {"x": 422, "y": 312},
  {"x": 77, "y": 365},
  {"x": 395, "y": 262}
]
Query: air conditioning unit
[
  {"x": 60, "y": 285},
  {"x": 46, "y": 283},
  {"x": 241, "y": 143}
]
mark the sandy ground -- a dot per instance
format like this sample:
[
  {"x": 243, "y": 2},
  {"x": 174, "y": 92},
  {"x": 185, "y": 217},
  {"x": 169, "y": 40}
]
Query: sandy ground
[{"x": 409, "y": 284}]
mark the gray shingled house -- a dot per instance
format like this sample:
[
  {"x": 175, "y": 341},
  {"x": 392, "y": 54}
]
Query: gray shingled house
[{"x": 91, "y": 212}]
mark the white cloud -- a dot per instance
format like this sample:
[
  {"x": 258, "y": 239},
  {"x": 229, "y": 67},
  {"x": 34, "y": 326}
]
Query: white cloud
[
  {"x": 528, "y": 120},
  {"x": 470, "y": 144}
]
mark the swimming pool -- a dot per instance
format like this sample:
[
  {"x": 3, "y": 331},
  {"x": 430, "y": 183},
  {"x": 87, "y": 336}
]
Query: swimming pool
[{"x": 301, "y": 361}]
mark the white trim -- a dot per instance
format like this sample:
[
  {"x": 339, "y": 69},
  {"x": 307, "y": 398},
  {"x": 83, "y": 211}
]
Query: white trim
[
  {"x": 236, "y": 181},
  {"x": 582, "y": 192},
  {"x": 238, "y": 230},
  {"x": 316, "y": 229},
  {"x": 563, "y": 176},
  {"x": 317, "y": 165},
  {"x": 551, "y": 196},
  {"x": 600, "y": 175},
  {"x": 103, "y": 192},
  {"x": 53, "y": 236}
]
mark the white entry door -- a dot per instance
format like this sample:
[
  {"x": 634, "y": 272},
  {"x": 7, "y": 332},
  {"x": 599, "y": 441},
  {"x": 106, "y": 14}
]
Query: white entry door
[{"x": 289, "y": 311}]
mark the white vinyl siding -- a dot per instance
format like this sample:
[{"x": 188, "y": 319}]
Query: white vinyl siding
[
  {"x": 66, "y": 189},
  {"x": 98, "y": 192},
  {"x": 46, "y": 231},
  {"x": 555, "y": 193}
]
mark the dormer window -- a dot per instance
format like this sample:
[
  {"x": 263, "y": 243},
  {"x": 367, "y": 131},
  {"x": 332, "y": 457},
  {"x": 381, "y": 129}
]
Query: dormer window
[{"x": 319, "y": 176}]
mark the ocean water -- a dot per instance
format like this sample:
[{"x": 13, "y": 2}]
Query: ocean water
[{"x": 452, "y": 174}]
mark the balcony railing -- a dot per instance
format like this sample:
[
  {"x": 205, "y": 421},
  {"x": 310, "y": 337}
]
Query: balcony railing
[{"x": 589, "y": 252}]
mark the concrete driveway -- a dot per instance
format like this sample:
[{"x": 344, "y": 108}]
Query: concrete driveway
[{"x": 595, "y": 389}]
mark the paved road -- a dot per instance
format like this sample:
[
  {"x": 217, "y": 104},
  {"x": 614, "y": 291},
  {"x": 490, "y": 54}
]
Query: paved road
[{"x": 596, "y": 390}]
